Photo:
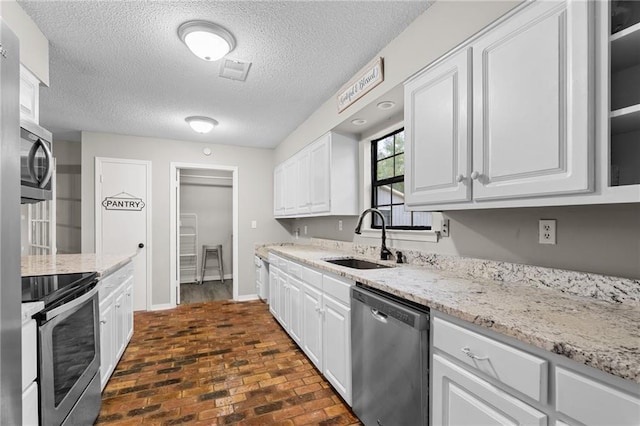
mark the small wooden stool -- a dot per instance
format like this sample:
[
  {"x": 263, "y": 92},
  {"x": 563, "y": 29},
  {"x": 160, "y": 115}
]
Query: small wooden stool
[{"x": 206, "y": 250}]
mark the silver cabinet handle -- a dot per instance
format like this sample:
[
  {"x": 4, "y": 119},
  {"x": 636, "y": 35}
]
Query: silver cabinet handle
[
  {"x": 103, "y": 321},
  {"x": 471, "y": 355},
  {"x": 460, "y": 178},
  {"x": 475, "y": 175}
]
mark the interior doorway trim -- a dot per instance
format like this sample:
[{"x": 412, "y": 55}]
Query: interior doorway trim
[{"x": 175, "y": 168}]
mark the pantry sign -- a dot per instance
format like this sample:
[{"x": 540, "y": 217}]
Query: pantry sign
[
  {"x": 355, "y": 89},
  {"x": 123, "y": 201}
]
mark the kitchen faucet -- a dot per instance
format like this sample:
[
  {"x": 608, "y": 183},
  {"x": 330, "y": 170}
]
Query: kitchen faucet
[{"x": 384, "y": 251}]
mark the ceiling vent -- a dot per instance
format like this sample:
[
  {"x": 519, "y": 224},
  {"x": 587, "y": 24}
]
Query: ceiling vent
[{"x": 234, "y": 70}]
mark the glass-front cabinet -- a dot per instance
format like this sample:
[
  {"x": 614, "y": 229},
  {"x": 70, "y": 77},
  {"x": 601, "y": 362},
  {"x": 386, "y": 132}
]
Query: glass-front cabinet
[{"x": 624, "y": 113}]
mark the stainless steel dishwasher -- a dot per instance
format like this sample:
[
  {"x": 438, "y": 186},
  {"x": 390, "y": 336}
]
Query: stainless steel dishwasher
[{"x": 390, "y": 359}]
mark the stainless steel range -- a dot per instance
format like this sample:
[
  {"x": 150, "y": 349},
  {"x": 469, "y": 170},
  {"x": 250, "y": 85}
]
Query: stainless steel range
[{"x": 68, "y": 347}]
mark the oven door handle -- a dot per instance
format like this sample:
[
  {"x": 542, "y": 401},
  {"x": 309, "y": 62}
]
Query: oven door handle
[
  {"x": 47, "y": 176},
  {"x": 71, "y": 305}
]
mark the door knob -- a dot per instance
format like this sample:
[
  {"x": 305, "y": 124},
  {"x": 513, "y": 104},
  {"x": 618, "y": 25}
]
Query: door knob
[
  {"x": 459, "y": 178},
  {"x": 475, "y": 175},
  {"x": 141, "y": 245}
]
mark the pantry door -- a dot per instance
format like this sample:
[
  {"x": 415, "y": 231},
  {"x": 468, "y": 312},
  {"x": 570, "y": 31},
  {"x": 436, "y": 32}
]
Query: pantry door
[{"x": 123, "y": 217}]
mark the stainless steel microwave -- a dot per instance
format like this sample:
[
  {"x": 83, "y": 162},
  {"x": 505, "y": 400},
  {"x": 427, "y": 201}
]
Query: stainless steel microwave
[{"x": 36, "y": 163}]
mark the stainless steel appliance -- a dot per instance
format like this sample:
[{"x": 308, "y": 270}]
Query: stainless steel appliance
[
  {"x": 36, "y": 163},
  {"x": 68, "y": 347},
  {"x": 390, "y": 353},
  {"x": 10, "y": 318}
]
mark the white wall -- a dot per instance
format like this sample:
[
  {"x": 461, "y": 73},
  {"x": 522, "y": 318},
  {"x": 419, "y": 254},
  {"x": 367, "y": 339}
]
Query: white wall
[
  {"x": 255, "y": 168},
  {"x": 68, "y": 196},
  {"x": 212, "y": 202},
  {"x": 439, "y": 29}
]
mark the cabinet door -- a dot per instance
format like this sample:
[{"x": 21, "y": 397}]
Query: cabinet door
[
  {"x": 320, "y": 154},
  {"x": 312, "y": 324},
  {"x": 283, "y": 302},
  {"x": 278, "y": 190},
  {"x": 533, "y": 130},
  {"x": 337, "y": 345},
  {"x": 461, "y": 398},
  {"x": 274, "y": 297},
  {"x": 107, "y": 340},
  {"x": 303, "y": 198},
  {"x": 128, "y": 310},
  {"x": 290, "y": 186},
  {"x": 295, "y": 309},
  {"x": 438, "y": 133},
  {"x": 30, "y": 405},
  {"x": 120, "y": 321},
  {"x": 29, "y": 96}
]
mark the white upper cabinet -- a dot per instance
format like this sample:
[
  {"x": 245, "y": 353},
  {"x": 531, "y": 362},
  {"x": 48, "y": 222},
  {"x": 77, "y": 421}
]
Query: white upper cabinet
[
  {"x": 29, "y": 96},
  {"x": 437, "y": 132},
  {"x": 532, "y": 130},
  {"x": 508, "y": 119},
  {"x": 320, "y": 180}
]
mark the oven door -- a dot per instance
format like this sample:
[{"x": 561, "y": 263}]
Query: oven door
[{"x": 69, "y": 349}]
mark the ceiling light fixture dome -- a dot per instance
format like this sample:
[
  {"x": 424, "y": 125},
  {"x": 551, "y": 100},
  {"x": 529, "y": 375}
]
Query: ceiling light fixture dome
[
  {"x": 201, "y": 124},
  {"x": 206, "y": 40},
  {"x": 358, "y": 121},
  {"x": 386, "y": 105}
]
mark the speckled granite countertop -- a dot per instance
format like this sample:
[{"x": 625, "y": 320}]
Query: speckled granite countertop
[
  {"x": 73, "y": 263},
  {"x": 598, "y": 333}
]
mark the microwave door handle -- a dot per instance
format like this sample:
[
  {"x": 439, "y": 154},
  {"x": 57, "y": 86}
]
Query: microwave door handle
[
  {"x": 31, "y": 161},
  {"x": 47, "y": 152}
]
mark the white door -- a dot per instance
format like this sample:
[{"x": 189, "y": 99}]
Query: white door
[
  {"x": 290, "y": 186},
  {"x": 278, "y": 190},
  {"x": 463, "y": 399},
  {"x": 123, "y": 217},
  {"x": 274, "y": 297},
  {"x": 295, "y": 309},
  {"x": 531, "y": 131},
  {"x": 304, "y": 189},
  {"x": 438, "y": 134}
]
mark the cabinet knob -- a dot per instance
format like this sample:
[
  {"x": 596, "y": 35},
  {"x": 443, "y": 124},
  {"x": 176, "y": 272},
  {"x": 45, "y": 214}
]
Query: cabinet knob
[
  {"x": 103, "y": 321},
  {"x": 117, "y": 305},
  {"x": 141, "y": 245},
  {"x": 460, "y": 178},
  {"x": 475, "y": 175}
]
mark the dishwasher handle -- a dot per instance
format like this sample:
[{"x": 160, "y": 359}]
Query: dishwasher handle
[
  {"x": 384, "y": 307},
  {"x": 379, "y": 316}
]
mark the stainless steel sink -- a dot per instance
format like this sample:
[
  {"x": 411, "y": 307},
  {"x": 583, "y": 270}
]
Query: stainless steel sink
[{"x": 350, "y": 262}]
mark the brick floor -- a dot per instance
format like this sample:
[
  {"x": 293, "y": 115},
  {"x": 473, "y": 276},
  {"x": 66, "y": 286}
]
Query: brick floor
[{"x": 217, "y": 363}]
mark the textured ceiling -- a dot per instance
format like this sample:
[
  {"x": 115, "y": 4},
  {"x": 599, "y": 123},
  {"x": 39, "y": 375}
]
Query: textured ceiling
[{"x": 119, "y": 66}]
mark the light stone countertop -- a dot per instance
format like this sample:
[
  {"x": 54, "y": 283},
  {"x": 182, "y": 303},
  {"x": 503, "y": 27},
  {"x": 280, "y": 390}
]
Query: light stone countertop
[
  {"x": 597, "y": 333},
  {"x": 73, "y": 263}
]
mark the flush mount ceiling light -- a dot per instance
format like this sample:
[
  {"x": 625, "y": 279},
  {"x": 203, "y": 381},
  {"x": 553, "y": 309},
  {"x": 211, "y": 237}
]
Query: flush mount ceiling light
[
  {"x": 386, "y": 105},
  {"x": 201, "y": 124},
  {"x": 358, "y": 121},
  {"x": 206, "y": 40}
]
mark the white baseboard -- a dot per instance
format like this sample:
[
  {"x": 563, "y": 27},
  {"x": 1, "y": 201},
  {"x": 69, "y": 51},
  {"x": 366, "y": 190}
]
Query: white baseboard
[
  {"x": 247, "y": 298},
  {"x": 162, "y": 307}
]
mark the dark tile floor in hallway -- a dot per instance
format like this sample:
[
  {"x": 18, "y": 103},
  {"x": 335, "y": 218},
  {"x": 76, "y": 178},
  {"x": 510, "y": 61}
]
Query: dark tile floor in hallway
[{"x": 217, "y": 363}]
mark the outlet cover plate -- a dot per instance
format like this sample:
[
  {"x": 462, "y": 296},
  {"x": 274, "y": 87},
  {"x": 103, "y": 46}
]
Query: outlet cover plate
[{"x": 547, "y": 231}]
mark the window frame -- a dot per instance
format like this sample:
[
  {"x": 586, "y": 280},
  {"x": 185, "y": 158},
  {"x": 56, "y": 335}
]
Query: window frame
[{"x": 375, "y": 184}]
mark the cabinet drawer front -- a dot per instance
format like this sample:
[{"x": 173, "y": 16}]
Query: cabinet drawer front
[
  {"x": 593, "y": 402},
  {"x": 312, "y": 277},
  {"x": 295, "y": 270},
  {"x": 339, "y": 288},
  {"x": 513, "y": 367},
  {"x": 30, "y": 405}
]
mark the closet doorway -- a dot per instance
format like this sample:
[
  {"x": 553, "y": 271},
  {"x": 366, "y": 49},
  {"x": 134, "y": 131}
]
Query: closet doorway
[{"x": 204, "y": 230}]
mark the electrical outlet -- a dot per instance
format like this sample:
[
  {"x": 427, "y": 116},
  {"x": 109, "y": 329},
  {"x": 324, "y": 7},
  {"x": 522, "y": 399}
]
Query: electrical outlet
[
  {"x": 339, "y": 225},
  {"x": 254, "y": 224},
  {"x": 547, "y": 231},
  {"x": 444, "y": 228}
]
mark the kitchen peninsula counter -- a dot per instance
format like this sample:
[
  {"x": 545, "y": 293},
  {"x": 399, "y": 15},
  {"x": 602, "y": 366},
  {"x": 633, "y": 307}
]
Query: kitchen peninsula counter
[
  {"x": 603, "y": 334},
  {"x": 73, "y": 263}
]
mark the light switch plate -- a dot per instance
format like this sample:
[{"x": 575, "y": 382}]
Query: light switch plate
[
  {"x": 254, "y": 224},
  {"x": 547, "y": 231}
]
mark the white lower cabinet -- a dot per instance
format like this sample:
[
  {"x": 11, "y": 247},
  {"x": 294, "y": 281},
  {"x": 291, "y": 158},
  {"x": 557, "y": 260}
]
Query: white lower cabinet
[
  {"x": 29, "y": 373},
  {"x": 116, "y": 319},
  {"x": 462, "y": 398},
  {"x": 479, "y": 377},
  {"x": 336, "y": 345},
  {"x": 315, "y": 309}
]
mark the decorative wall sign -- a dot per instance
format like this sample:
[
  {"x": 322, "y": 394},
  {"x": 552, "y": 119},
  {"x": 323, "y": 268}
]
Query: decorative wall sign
[
  {"x": 355, "y": 89},
  {"x": 123, "y": 201}
]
